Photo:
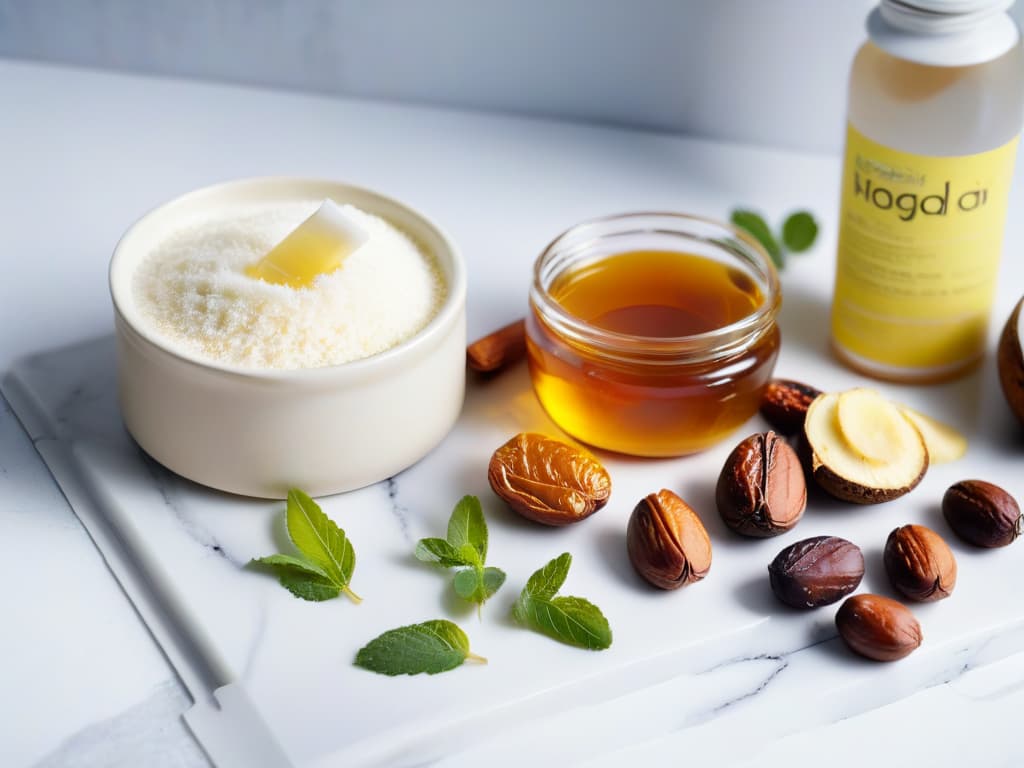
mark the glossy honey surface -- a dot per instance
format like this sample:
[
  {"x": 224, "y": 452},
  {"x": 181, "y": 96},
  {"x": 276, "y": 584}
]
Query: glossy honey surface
[{"x": 645, "y": 407}]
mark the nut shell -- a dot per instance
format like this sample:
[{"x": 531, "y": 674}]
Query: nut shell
[
  {"x": 784, "y": 404},
  {"x": 667, "y": 542},
  {"x": 816, "y": 571},
  {"x": 982, "y": 514},
  {"x": 548, "y": 481},
  {"x": 920, "y": 564},
  {"x": 878, "y": 628},
  {"x": 1010, "y": 362},
  {"x": 761, "y": 490}
]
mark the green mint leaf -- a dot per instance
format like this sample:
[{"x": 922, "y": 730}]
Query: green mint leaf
[
  {"x": 799, "y": 231},
  {"x": 493, "y": 579},
  {"x": 290, "y": 561},
  {"x": 470, "y": 555},
  {"x": 441, "y": 552},
  {"x": 467, "y": 526},
  {"x": 466, "y": 546},
  {"x": 477, "y": 585},
  {"x": 469, "y": 584},
  {"x": 303, "y": 578},
  {"x": 320, "y": 539},
  {"x": 431, "y": 647},
  {"x": 571, "y": 620},
  {"x": 754, "y": 225},
  {"x": 546, "y": 582},
  {"x": 306, "y": 585}
]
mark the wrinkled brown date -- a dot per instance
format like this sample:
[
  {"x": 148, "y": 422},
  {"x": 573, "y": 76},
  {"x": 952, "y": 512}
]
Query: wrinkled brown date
[
  {"x": 667, "y": 542},
  {"x": 548, "y": 481},
  {"x": 816, "y": 571},
  {"x": 761, "y": 490},
  {"x": 981, "y": 513},
  {"x": 878, "y": 628}
]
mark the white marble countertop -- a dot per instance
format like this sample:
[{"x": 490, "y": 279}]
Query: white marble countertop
[{"x": 84, "y": 154}]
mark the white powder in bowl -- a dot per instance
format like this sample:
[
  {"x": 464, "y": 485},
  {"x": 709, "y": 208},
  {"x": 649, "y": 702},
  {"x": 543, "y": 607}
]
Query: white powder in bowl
[{"x": 193, "y": 291}]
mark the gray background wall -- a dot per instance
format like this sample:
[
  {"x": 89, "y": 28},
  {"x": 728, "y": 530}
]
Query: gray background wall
[{"x": 766, "y": 71}]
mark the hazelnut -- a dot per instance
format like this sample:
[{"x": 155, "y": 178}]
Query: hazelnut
[
  {"x": 920, "y": 564},
  {"x": 981, "y": 513},
  {"x": 816, "y": 571},
  {"x": 667, "y": 542},
  {"x": 761, "y": 489},
  {"x": 548, "y": 481},
  {"x": 877, "y": 627},
  {"x": 784, "y": 404}
]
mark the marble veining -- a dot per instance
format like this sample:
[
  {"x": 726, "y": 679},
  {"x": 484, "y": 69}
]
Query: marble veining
[
  {"x": 777, "y": 666},
  {"x": 398, "y": 510},
  {"x": 167, "y": 483}
]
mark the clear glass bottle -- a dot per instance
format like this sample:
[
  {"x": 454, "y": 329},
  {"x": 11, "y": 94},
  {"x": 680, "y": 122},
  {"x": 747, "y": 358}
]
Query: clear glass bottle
[{"x": 936, "y": 103}]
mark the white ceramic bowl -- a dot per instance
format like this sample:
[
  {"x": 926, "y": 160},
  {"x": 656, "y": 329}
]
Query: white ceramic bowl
[{"x": 260, "y": 432}]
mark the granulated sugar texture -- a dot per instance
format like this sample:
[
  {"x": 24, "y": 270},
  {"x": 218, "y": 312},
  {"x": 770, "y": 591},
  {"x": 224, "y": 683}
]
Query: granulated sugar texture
[{"x": 193, "y": 290}]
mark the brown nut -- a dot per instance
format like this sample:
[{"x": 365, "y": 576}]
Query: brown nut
[
  {"x": 877, "y": 627},
  {"x": 667, "y": 542},
  {"x": 761, "y": 490},
  {"x": 548, "y": 481},
  {"x": 982, "y": 514},
  {"x": 784, "y": 404},
  {"x": 920, "y": 564},
  {"x": 816, "y": 571}
]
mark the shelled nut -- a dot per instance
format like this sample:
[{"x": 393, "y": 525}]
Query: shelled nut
[{"x": 761, "y": 490}]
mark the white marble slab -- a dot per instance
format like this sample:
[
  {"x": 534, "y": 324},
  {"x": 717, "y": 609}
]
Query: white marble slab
[{"x": 294, "y": 658}]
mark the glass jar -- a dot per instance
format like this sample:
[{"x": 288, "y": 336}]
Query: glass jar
[{"x": 652, "y": 334}]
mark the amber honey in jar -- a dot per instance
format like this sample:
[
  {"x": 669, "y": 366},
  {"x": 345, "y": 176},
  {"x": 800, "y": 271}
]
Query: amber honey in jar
[{"x": 652, "y": 334}]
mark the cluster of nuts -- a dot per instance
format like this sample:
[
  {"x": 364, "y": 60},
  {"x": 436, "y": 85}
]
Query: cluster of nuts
[{"x": 762, "y": 492}]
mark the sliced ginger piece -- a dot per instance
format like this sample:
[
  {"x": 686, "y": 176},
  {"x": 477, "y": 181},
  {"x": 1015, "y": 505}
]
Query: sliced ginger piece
[
  {"x": 944, "y": 443},
  {"x": 844, "y": 471},
  {"x": 318, "y": 246},
  {"x": 873, "y": 427}
]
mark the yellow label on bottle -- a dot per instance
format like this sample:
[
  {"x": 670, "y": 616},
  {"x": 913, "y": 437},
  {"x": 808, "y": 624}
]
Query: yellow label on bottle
[{"x": 919, "y": 245}]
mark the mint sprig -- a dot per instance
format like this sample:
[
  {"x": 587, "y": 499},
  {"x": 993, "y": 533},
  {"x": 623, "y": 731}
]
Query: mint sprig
[
  {"x": 571, "y": 620},
  {"x": 465, "y": 548},
  {"x": 323, "y": 568},
  {"x": 430, "y": 647},
  {"x": 799, "y": 232}
]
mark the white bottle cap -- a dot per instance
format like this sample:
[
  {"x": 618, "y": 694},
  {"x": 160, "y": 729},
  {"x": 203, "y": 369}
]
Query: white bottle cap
[{"x": 943, "y": 33}]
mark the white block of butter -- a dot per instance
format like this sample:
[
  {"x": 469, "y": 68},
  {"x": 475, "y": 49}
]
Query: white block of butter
[{"x": 318, "y": 246}]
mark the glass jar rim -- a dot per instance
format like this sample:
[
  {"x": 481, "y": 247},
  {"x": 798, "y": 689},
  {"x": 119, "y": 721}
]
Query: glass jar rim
[{"x": 708, "y": 345}]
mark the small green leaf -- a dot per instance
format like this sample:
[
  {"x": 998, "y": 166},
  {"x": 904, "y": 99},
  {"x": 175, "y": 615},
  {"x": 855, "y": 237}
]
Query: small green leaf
[
  {"x": 301, "y": 577},
  {"x": 439, "y": 551},
  {"x": 470, "y": 555},
  {"x": 319, "y": 538},
  {"x": 326, "y": 557},
  {"x": 546, "y": 582},
  {"x": 468, "y": 584},
  {"x": 493, "y": 579},
  {"x": 571, "y": 620},
  {"x": 799, "y": 231},
  {"x": 431, "y": 647},
  {"x": 467, "y": 526},
  {"x": 478, "y": 584},
  {"x": 290, "y": 561},
  {"x": 306, "y": 585},
  {"x": 466, "y": 546},
  {"x": 753, "y": 224}
]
